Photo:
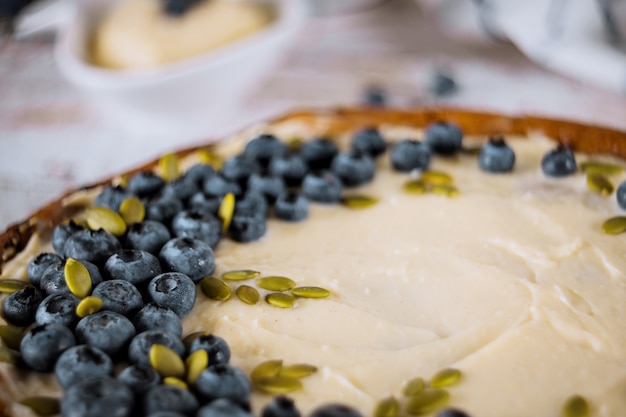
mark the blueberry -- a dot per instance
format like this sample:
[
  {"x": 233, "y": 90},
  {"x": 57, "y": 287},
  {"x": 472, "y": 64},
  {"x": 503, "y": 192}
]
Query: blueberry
[
  {"x": 292, "y": 207},
  {"x": 42, "y": 345},
  {"x": 119, "y": 296},
  {"x": 408, "y": 155},
  {"x": 112, "y": 196},
  {"x": 267, "y": 185},
  {"x": 452, "y": 412},
  {"x": 223, "y": 381},
  {"x": 223, "y": 408},
  {"x": 149, "y": 236},
  {"x": 198, "y": 173},
  {"x": 134, "y": 266},
  {"x": 369, "y": 141},
  {"x": 91, "y": 245},
  {"x": 496, "y": 156},
  {"x": 145, "y": 184},
  {"x": 559, "y": 162},
  {"x": 443, "y": 84},
  {"x": 252, "y": 203},
  {"x": 165, "y": 414},
  {"x": 61, "y": 233},
  {"x": 153, "y": 316},
  {"x": 98, "y": 397},
  {"x": 375, "y": 96},
  {"x": 189, "y": 256},
  {"x": 53, "y": 279},
  {"x": 139, "y": 378},
  {"x": 58, "y": 308},
  {"x": 353, "y": 168},
  {"x": 173, "y": 290},
  {"x": 218, "y": 186},
  {"x": 197, "y": 225},
  {"x": 21, "y": 306},
  {"x": 163, "y": 208},
  {"x": 291, "y": 168},
  {"x": 263, "y": 148},
  {"x": 335, "y": 410},
  {"x": 203, "y": 204},
  {"x": 38, "y": 265},
  {"x": 139, "y": 349},
  {"x": 181, "y": 188},
  {"x": 322, "y": 187},
  {"x": 82, "y": 362},
  {"x": 177, "y": 8},
  {"x": 319, "y": 153},
  {"x": 238, "y": 169},
  {"x": 621, "y": 195},
  {"x": 247, "y": 227},
  {"x": 280, "y": 406},
  {"x": 215, "y": 346},
  {"x": 169, "y": 398},
  {"x": 443, "y": 138},
  {"x": 109, "y": 331}
]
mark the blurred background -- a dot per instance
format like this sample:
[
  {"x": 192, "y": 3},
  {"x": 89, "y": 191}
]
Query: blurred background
[{"x": 67, "y": 122}]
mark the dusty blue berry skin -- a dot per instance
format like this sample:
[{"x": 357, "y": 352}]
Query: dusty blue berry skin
[
  {"x": 153, "y": 316},
  {"x": 42, "y": 345},
  {"x": 162, "y": 208},
  {"x": 267, "y": 185},
  {"x": 238, "y": 169},
  {"x": 181, "y": 188},
  {"x": 201, "y": 203},
  {"x": 252, "y": 203},
  {"x": 291, "y": 168},
  {"x": 198, "y": 173},
  {"x": 98, "y": 397},
  {"x": 134, "y": 266},
  {"x": 58, "y": 308},
  {"x": 291, "y": 207},
  {"x": 223, "y": 381},
  {"x": 452, "y": 412},
  {"x": 496, "y": 157},
  {"x": 280, "y": 406},
  {"x": 319, "y": 153},
  {"x": 223, "y": 408},
  {"x": 145, "y": 184},
  {"x": 375, "y": 97},
  {"x": 197, "y": 225},
  {"x": 369, "y": 141},
  {"x": 166, "y": 414},
  {"x": 247, "y": 227},
  {"x": 218, "y": 186},
  {"x": 149, "y": 236},
  {"x": 408, "y": 155},
  {"x": 20, "y": 307},
  {"x": 263, "y": 148},
  {"x": 139, "y": 349},
  {"x": 170, "y": 398},
  {"x": 443, "y": 138},
  {"x": 53, "y": 279},
  {"x": 107, "y": 330},
  {"x": 559, "y": 162},
  {"x": 322, "y": 187},
  {"x": 173, "y": 290},
  {"x": 119, "y": 296},
  {"x": 61, "y": 233},
  {"x": 353, "y": 168},
  {"x": 94, "y": 246},
  {"x": 621, "y": 195},
  {"x": 216, "y": 347},
  {"x": 38, "y": 265},
  {"x": 335, "y": 410},
  {"x": 189, "y": 256},
  {"x": 112, "y": 196},
  {"x": 82, "y": 362},
  {"x": 139, "y": 378}
]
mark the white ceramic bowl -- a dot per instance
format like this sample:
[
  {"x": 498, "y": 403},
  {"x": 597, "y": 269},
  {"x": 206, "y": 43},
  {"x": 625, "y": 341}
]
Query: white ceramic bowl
[{"x": 187, "y": 98}]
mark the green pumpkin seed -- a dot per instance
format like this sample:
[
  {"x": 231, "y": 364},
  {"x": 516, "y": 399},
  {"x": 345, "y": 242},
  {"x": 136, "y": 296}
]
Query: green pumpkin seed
[
  {"x": 168, "y": 167},
  {"x": 44, "y": 406},
  {"x": 575, "y": 406},
  {"x": 294, "y": 144},
  {"x": 215, "y": 289},
  {"x": 427, "y": 401},
  {"x": 310, "y": 292},
  {"x": 267, "y": 369},
  {"x": 132, "y": 210},
  {"x": 603, "y": 168},
  {"x": 413, "y": 387},
  {"x": 276, "y": 283},
  {"x": 280, "y": 300},
  {"x": 614, "y": 225},
  {"x": 226, "y": 210},
  {"x": 445, "y": 378},
  {"x": 77, "y": 278},
  {"x": 166, "y": 362},
  {"x": 175, "y": 382},
  {"x": 445, "y": 190},
  {"x": 107, "y": 219},
  {"x": 11, "y": 336},
  {"x": 358, "y": 201},
  {"x": 206, "y": 157},
  {"x": 248, "y": 294},
  {"x": 436, "y": 178},
  {"x": 299, "y": 370},
  {"x": 600, "y": 184},
  {"x": 195, "y": 364},
  {"x": 387, "y": 407},
  {"x": 8, "y": 355},
  {"x": 9, "y": 285},
  {"x": 473, "y": 150},
  {"x": 415, "y": 187},
  {"x": 88, "y": 305},
  {"x": 277, "y": 384},
  {"x": 240, "y": 275}
]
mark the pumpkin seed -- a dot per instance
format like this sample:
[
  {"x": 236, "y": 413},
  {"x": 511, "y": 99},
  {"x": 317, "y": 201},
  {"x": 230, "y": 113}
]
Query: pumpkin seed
[
  {"x": 575, "y": 406},
  {"x": 614, "y": 225},
  {"x": 473, "y": 150},
  {"x": 445, "y": 190},
  {"x": 226, "y": 210},
  {"x": 11, "y": 336},
  {"x": 427, "y": 401},
  {"x": 188, "y": 340},
  {"x": 445, "y": 378},
  {"x": 600, "y": 184},
  {"x": 248, "y": 294},
  {"x": 280, "y": 300},
  {"x": 294, "y": 144},
  {"x": 604, "y": 168},
  {"x": 9, "y": 285},
  {"x": 277, "y": 384},
  {"x": 206, "y": 157},
  {"x": 413, "y": 387},
  {"x": 44, "y": 406},
  {"x": 436, "y": 178},
  {"x": 107, "y": 219},
  {"x": 176, "y": 382},
  {"x": 8, "y": 355},
  {"x": 267, "y": 369},
  {"x": 387, "y": 407},
  {"x": 415, "y": 187},
  {"x": 88, "y": 305},
  {"x": 132, "y": 210},
  {"x": 166, "y": 362},
  {"x": 276, "y": 283},
  {"x": 310, "y": 292},
  {"x": 240, "y": 275},
  {"x": 215, "y": 289},
  {"x": 168, "y": 166},
  {"x": 77, "y": 278},
  {"x": 195, "y": 364},
  {"x": 358, "y": 201},
  {"x": 299, "y": 370}
]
